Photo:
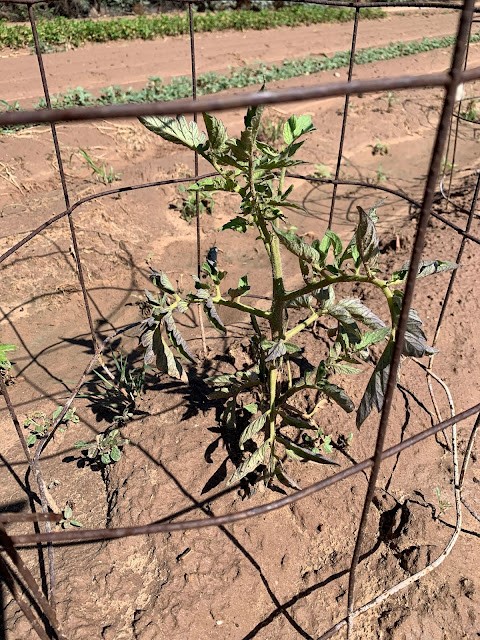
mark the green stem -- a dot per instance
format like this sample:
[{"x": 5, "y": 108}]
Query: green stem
[{"x": 242, "y": 307}]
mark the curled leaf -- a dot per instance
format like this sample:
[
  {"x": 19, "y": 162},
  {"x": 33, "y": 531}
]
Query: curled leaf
[
  {"x": 366, "y": 235},
  {"x": 254, "y": 461},
  {"x": 303, "y": 452},
  {"x": 161, "y": 281},
  {"x": 176, "y": 338},
  {"x": 213, "y": 316},
  {"x": 253, "y": 428}
]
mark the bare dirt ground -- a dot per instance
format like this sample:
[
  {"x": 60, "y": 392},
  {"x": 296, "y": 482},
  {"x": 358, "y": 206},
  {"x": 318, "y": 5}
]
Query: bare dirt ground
[{"x": 285, "y": 574}]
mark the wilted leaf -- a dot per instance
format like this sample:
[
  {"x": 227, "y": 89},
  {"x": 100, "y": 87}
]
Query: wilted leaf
[
  {"x": 415, "y": 339},
  {"x": 177, "y": 339},
  {"x": 299, "y": 247},
  {"x": 301, "y": 302},
  {"x": 425, "y": 268},
  {"x": 254, "y": 427},
  {"x": 361, "y": 313},
  {"x": 213, "y": 316},
  {"x": 241, "y": 289},
  {"x": 165, "y": 360},
  {"x": 337, "y": 394},
  {"x": 277, "y": 350},
  {"x": 161, "y": 281},
  {"x": 304, "y": 453},
  {"x": 366, "y": 235},
  {"x": 254, "y": 461},
  {"x": 176, "y": 130},
  {"x": 284, "y": 478},
  {"x": 375, "y": 391}
]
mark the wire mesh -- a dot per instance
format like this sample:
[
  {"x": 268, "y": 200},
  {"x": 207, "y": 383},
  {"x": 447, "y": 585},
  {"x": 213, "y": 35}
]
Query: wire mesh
[{"x": 450, "y": 80}]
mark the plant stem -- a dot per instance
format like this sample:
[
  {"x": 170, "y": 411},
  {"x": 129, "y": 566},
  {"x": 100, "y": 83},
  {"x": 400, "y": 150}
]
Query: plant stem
[{"x": 242, "y": 307}]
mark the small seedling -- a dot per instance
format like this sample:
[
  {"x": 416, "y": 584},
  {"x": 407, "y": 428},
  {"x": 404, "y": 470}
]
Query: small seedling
[
  {"x": 472, "y": 112},
  {"x": 379, "y": 149},
  {"x": 105, "y": 449},
  {"x": 5, "y": 364},
  {"x": 380, "y": 175},
  {"x": 278, "y": 374},
  {"x": 187, "y": 206},
  {"x": 68, "y": 520},
  {"x": 443, "y": 505},
  {"x": 115, "y": 394},
  {"x": 391, "y": 100},
  {"x": 40, "y": 423},
  {"x": 322, "y": 171},
  {"x": 447, "y": 166},
  {"x": 104, "y": 175}
]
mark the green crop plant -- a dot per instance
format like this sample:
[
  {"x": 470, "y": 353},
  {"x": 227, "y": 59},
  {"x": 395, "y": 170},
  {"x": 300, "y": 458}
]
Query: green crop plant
[
  {"x": 100, "y": 171},
  {"x": 105, "y": 449},
  {"x": 379, "y": 149},
  {"x": 114, "y": 395},
  {"x": 260, "y": 400},
  {"x": 472, "y": 112},
  {"x": 187, "y": 206},
  {"x": 68, "y": 520},
  {"x": 5, "y": 364},
  {"x": 59, "y": 31},
  {"x": 40, "y": 424}
]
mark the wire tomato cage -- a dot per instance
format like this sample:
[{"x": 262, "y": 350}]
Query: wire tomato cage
[{"x": 13, "y": 570}]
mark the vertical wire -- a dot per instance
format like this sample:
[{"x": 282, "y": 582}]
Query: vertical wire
[
  {"x": 195, "y": 119},
  {"x": 345, "y": 117},
  {"x": 197, "y": 195},
  {"x": 457, "y": 127},
  {"x": 76, "y": 251},
  {"x": 429, "y": 192},
  {"x": 458, "y": 259}
]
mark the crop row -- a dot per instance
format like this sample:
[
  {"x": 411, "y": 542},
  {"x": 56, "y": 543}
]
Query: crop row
[{"x": 59, "y": 31}]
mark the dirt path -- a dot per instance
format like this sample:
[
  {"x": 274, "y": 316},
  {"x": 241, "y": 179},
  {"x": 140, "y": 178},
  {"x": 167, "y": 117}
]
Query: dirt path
[{"x": 132, "y": 63}]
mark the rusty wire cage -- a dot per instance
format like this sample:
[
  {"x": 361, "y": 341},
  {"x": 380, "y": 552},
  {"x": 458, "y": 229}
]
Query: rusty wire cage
[{"x": 42, "y": 615}]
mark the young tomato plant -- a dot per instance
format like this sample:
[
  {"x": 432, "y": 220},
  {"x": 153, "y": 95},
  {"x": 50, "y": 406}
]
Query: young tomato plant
[{"x": 254, "y": 172}]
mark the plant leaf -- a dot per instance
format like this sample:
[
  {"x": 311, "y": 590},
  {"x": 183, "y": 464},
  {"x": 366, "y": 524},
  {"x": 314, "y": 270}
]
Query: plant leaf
[
  {"x": 161, "y": 281},
  {"x": 361, "y": 313},
  {"x": 299, "y": 247},
  {"x": 165, "y": 360},
  {"x": 372, "y": 337},
  {"x": 176, "y": 338},
  {"x": 241, "y": 289},
  {"x": 375, "y": 391},
  {"x": 295, "y": 127},
  {"x": 176, "y": 130},
  {"x": 217, "y": 134},
  {"x": 115, "y": 453},
  {"x": 304, "y": 453},
  {"x": 236, "y": 224},
  {"x": 277, "y": 350},
  {"x": 337, "y": 394},
  {"x": 284, "y": 478},
  {"x": 255, "y": 460},
  {"x": 213, "y": 316},
  {"x": 254, "y": 427},
  {"x": 425, "y": 268},
  {"x": 366, "y": 235},
  {"x": 415, "y": 339}
]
